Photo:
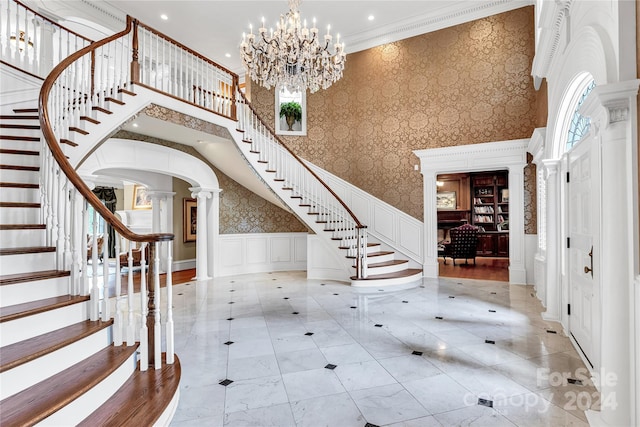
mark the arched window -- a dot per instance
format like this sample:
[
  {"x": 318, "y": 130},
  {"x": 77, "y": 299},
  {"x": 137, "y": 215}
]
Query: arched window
[{"x": 580, "y": 124}]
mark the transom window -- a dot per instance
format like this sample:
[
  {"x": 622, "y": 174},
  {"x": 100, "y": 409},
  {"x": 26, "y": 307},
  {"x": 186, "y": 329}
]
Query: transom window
[{"x": 579, "y": 124}]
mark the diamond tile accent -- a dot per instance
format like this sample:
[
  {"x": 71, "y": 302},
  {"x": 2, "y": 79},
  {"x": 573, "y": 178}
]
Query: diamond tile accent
[
  {"x": 295, "y": 312},
  {"x": 225, "y": 382},
  {"x": 574, "y": 381},
  {"x": 439, "y": 317},
  {"x": 336, "y": 294},
  {"x": 371, "y": 425},
  {"x": 494, "y": 293},
  {"x": 405, "y": 302},
  {"x": 378, "y": 325},
  {"x": 285, "y": 298},
  {"x": 228, "y": 343},
  {"x": 231, "y": 302},
  {"x": 489, "y": 341},
  {"x": 232, "y": 290},
  {"x": 279, "y": 287},
  {"x": 549, "y": 331},
  {"x": 451, "y": 296},
  {"x": 485, "y": 402},
  {"x": 492, "y": 311},
  {"x": 230, "y": 318},
  {"x": 309, "y": 334},
  {"x": 353, "y": 306},
  {"x": 331, "y": 366},
  {"x": 417, "y": 353},
  {"x": 322, "y": 284}
]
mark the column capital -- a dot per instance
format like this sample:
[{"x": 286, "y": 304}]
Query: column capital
[
  {"x": 201, "y": 193},
  {"x": 536, "y": 144},
  {"x": 551, "y": 167},
  {"x": 610, "y": 103}
]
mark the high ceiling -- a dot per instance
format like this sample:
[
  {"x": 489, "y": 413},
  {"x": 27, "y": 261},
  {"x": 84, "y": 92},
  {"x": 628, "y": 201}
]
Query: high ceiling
[{"x": 214, "y": 28}]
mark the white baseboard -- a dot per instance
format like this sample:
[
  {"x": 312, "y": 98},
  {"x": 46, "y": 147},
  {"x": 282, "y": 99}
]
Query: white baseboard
[{"x": 185, "y": 264}]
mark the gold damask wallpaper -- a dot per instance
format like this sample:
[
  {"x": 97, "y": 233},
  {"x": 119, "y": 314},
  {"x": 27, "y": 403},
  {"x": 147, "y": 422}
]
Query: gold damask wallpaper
[
  {"x": 241, "y": 211},
  {"x": 467, "y": 84}
]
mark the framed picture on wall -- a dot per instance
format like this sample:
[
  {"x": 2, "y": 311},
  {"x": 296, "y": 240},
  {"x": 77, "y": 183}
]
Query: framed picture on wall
[
  {"x": 446, "y": 200},
  {"x": 190, "y": 219},
  {"x": 141, "y": 199}
]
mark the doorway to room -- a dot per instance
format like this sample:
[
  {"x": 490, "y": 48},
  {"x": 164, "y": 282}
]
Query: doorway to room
[{"x": 478, "y": 201}]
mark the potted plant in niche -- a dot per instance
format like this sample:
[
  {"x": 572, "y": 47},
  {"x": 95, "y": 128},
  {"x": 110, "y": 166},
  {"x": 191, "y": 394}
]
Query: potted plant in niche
[{"x": 292, "y": 111}]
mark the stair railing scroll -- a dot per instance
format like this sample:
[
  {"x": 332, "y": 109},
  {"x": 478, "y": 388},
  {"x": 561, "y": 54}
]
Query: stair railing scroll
[
  {"x": 78, "y": 86},
  {"x": 304, "y": 184}
]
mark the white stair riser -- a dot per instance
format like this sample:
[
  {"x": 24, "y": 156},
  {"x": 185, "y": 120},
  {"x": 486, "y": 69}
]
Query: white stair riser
[
  {"x": 388, "y": 269},
  {"x": 28, "y": 374},
  {"x": 20, "y": 132},
  {"x": 18, "y": 238},
  {"x": 21, "y": 176},
  {"x": 19, "y": 216},
  {"x": 26, "y": 195},
  {"x": 380, "y": 258},
  {"x": 19, "y": 293},
  {"x": 11, "y": 144},
  {"x": 373, "y": 249},
  {"x": 83, "y": 406},
  {"x": 26, "y": 263},
  {"x": 41, "y": 323},
  {"x": 415, "y": 279},
  {"x": 28, "y": 122},
  {"x": 20, "y": 159}
]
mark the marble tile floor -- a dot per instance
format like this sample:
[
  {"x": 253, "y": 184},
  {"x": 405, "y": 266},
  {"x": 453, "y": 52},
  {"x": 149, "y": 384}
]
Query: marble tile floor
[{"x": 280, "y": 350}]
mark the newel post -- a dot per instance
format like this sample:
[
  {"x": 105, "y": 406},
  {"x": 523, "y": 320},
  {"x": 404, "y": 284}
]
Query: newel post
[
  {"x": 135, "y": 65},
  {"x": 151, "y": 302},
  {"x": 233, "y": 96}
]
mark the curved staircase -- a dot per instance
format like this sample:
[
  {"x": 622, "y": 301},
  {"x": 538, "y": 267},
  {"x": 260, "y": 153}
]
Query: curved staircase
[{"x": 57, "y": 367}]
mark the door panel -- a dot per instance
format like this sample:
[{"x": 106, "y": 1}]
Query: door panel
[{"x": 582, "y": 211}]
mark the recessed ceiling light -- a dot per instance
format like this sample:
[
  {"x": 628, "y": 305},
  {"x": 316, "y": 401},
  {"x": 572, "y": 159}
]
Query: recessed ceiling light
[
  {"x": 371, "y": 17},
  {"x": 135, "y": 125},
  {"x": 164, "y": 17},
  {"x": 228, "y": 55},
  {"x": 200, "y": 141}
]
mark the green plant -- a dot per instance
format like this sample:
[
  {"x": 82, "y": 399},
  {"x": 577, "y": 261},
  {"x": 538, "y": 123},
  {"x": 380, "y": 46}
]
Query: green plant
[{"x": 291, "y": 109}]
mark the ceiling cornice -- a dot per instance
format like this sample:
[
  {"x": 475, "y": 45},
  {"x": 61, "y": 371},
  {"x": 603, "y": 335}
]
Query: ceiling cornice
[{"x": 458, "y": 13}]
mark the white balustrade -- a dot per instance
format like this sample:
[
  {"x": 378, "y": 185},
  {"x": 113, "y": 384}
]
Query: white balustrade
[{"x": 32, "y": 42}]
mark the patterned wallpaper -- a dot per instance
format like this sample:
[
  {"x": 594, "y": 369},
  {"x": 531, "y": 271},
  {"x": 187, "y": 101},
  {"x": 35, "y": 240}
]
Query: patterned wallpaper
[
  {"x": 241, "y": 211},
  {"x": 530, "y": 197},
  {"x": 466, "y": 84}
]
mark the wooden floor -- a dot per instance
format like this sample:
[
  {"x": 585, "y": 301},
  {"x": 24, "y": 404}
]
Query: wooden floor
[
  {"x": 177, "y": 277},
  {"x": 485, "y": 269}
]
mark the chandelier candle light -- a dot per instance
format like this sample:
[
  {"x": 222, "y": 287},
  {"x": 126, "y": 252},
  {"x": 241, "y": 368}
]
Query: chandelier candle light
[{"x": 292, "y": 56}]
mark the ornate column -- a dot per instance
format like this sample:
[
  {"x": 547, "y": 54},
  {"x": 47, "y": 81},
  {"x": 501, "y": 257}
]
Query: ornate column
[
  {"x": 214, "y": 233},
  {"x": 612, "y": 109},
  {"x": 159, "y": 214},
  {"x": 553, "y": 238},
  {"x": 431, "y": 268},
  {"x": 536, "y": 148},
  {"x": 202, "y": 235}
]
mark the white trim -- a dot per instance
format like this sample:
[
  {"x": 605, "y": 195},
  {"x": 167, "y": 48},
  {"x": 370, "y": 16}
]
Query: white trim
[
  {"x": 185, "y": 264},
  {"x": 510, "y": 155}
]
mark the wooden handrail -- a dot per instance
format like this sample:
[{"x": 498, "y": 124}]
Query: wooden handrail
[
  {"x": 324, "y": 184},
  {"x": 61, "y": 159},
  {"x": 191, "y": 51},
  {"x": 52, "y": 22}
]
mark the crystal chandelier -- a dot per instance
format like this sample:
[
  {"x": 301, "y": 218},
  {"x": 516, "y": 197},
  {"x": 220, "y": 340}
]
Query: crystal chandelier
[{"x": 293, "y": 55}]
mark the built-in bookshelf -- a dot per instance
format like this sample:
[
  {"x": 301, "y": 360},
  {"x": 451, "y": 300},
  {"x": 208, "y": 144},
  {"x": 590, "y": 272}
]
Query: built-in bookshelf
[{"x": 490, "y": 207}]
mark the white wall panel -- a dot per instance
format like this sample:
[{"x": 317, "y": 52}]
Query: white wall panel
[
  {"x": 259, "y": 253},
  {"x": 383, "y": 221},
  {"x": 409, "y": 236},
  {"x": 281, "y": 249},
  {"x": 256, "y": 249}
]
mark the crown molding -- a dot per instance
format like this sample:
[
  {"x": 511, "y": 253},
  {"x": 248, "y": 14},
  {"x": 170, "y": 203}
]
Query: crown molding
[{"x": 455, "y": 14}]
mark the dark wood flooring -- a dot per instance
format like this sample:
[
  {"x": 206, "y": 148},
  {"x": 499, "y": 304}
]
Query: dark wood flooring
[{"x": 486, "y": 268}]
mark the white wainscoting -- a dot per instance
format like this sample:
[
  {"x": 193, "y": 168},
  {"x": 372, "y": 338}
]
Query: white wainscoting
[
  {"x": 325, "y": 263},
  {"x": 260, "y": 253},
  {"x": 401, "y": 232}
]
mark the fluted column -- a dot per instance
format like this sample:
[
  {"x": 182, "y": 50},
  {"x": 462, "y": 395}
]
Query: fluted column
[
  {"x": 214, "y": 233},
  {"x": 202, "y": 235},
  {"x": 553, "y": 277}
]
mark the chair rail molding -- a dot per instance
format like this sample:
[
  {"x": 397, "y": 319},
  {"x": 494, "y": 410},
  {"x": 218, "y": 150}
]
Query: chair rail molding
[{"x": 500, "y": 155}]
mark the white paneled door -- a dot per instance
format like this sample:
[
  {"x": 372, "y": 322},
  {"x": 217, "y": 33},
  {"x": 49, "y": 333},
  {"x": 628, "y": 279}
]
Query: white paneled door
[{"x": 583, "y": 218}]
